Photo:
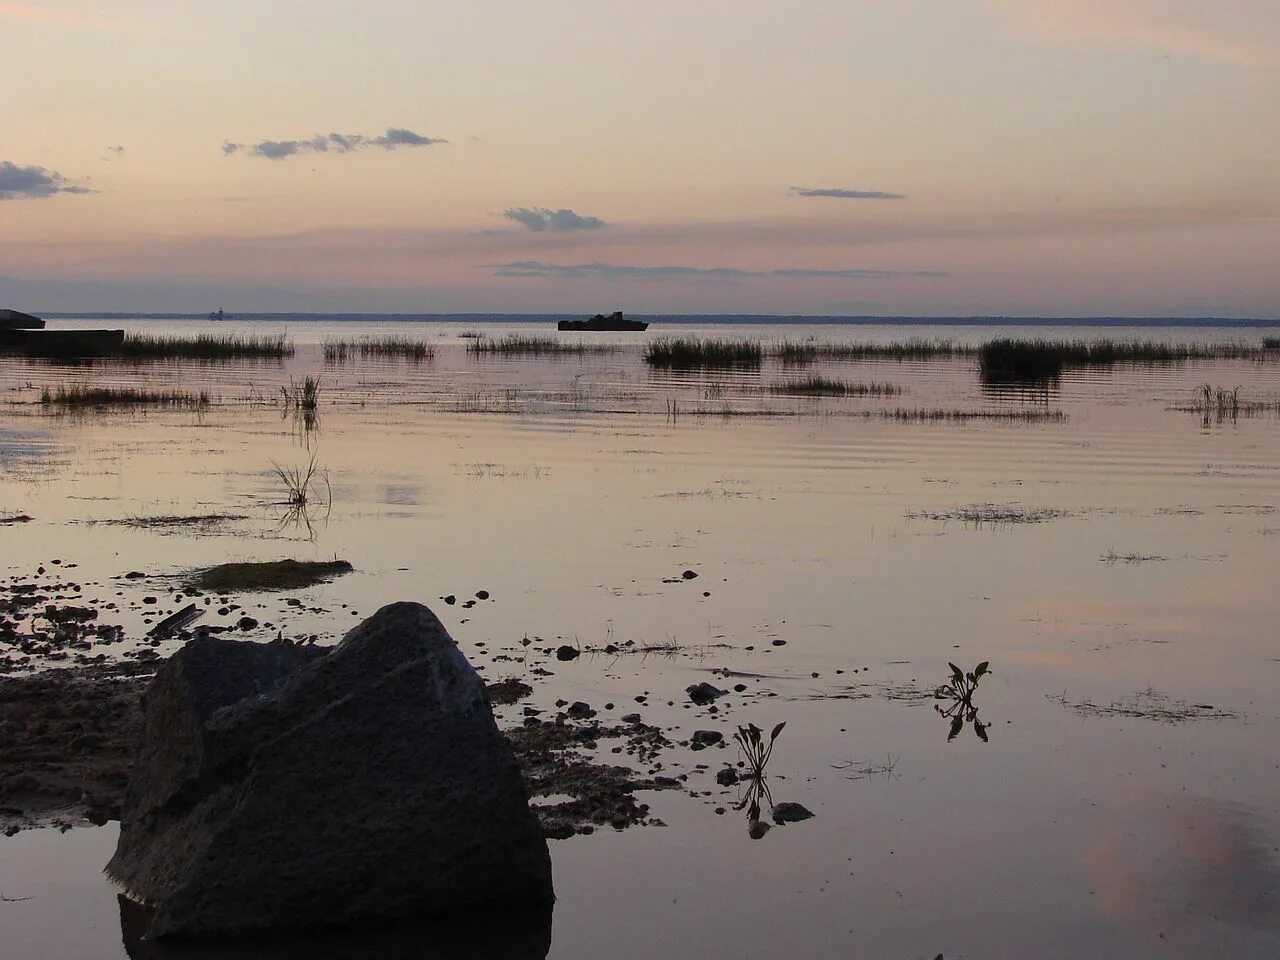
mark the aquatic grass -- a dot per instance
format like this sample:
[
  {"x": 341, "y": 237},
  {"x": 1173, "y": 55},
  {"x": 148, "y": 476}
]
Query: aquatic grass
[
  {"x": 519, "y": 345},
  {"x": 942, "y": 415},
  {"x": 268, "y": 575},
  {"x": 85, "y": 396},
  {"x": 301, "y": 395},
  {"x": 1012, "y": 359},
  {"x": 206, "y": 346},
  {"x": 826, "y": 387},
  {"x": 991, "y": 514},
  {"x": 385, "y": 347},
  {"x": 690, "y": 353},
  {"x": 805, "y": 352}
]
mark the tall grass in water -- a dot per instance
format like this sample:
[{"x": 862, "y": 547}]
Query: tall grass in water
[
  {"x": 689, "y": 353},
  {"x": 1271, "y": 343},
  {"x": 206, "y": 346},
  {"x": 516, "y": 345},
  {"x": 1011, "y": 359},
  {"x": 80, "y": 397},
  {"x": 792, "y": 352},
  {"x": 388, "y": 347},
  {"x": 302, "y": 395},
  {"x": 825, "y": 387}
]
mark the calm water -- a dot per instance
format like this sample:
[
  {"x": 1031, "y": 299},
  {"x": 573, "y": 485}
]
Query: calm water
[{"x": 1127, "y": 803}]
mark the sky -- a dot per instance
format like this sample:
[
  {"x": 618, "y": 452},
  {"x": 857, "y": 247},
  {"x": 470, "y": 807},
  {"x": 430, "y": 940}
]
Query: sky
[{"x": 885, "y": 157}]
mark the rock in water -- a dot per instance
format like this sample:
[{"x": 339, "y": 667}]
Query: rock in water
[{"x": 281, "y": 787}]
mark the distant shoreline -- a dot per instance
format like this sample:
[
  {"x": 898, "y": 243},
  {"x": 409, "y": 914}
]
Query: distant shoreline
[{"x": 741, "y": 319}]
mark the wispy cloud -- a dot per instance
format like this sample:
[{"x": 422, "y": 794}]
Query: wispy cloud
[
  {"x": 25, "y": 183},
  {"x": 536, "y": 269},
  {"x": 1243, "y": 32},
  {"x": 540, "y": 219},
  {"x": 843, "y": 194},
  {"x": 393, "y": 139}
]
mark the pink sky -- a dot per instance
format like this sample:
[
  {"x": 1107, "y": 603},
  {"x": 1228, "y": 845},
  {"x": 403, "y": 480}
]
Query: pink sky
[{"x": 919, "y": 157}]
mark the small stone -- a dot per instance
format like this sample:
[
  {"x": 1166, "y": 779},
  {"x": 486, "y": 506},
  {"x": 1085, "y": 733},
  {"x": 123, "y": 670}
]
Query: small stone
[
  {"x": 567, "y": 652},
  {"x": 578, "y": 710},
  {"x": 246, "y": 623},
  {"x": 482, "y": 594},
  {"x": 727, "y": 777},
  {"x": 739, "y": 687},
  {"x": 704, "y": 693},
  {"x": 705, "y": 738},
  {"x": 779, "y": 643},
  {"x": 689, "y": 575},
  {"x": 450, "y": 599}
]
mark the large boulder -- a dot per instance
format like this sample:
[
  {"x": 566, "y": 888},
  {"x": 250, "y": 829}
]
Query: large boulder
[{"x": 280, "y": 787}]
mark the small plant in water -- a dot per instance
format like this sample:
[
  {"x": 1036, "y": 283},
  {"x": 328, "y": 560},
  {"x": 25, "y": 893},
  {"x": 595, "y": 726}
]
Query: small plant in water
[
  {"x": 959, "y": 689},
  {"x": 755, "y": 754}
]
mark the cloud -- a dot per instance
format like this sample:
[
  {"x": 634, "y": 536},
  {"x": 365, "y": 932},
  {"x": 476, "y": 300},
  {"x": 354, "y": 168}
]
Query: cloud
[
  {"x": 393, "y": 139},
  {"x": 539, "y": 219},
  {"x": 19, "y": 183},
  {"x": 844, "y": 194},
  {"x": 535, "y": 269}
]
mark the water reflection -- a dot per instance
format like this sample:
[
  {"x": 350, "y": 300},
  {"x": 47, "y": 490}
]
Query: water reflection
[
  {"x": 960, "y": 710},
  {"x": 754, "y": 787},
  {"x": 499, "y": 933}
]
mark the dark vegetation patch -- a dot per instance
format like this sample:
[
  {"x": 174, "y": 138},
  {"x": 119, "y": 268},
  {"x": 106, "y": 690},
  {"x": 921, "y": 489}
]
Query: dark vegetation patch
[
  {"x": 268, "y": 575},
  {"x": 206, "y": 346},
  {"x": 690, "y": 353},
  {"x": 1271, "y": 343},
  {"x": 827, "y": 387},
  {"x": 790, "y": 352},
  {"x": 1149, "y": 704},
  {"x": 993, "y": 514},
  {"x": 1111, "y": 557},
  {"x": 942, "y": 415},
  {"x": 508, "y": 691},
  {"x": 387, "y": 348},
  {"x": 14, "y": 518},
  {"x": 1011, "y": 359},
  {"x": 85, "y": 396},
  {"x": 171, "y": 522},
  {"x": 518, "y": 345}
]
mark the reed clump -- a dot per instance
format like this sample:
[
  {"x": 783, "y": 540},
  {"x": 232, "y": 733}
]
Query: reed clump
[
  {"x": 826, "y": 387},
  {"x": 83, "y": 396},
  {"x": 690, "y": 353},
  {"x": 206, "y": 346},
  {"x": 1010, "y": 359},
  {"x": 386, "y": 348},
  {"x": 301, "y": 395},
  {"x": 519, "y": 345},
  {"x": 1271, "y": 343},
  {"x": 803, "y": 352}
]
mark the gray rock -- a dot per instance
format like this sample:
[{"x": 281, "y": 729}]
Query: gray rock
[
  {"x": 727, "y": 777},
  {"x": 705, "y": 738},
  {"x": 788, "y": 812},
  {"x": 282, "y": 787},
  {"x": 704, "y": 693}
]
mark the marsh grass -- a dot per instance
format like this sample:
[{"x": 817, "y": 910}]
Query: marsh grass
[
  {"x": 268, "y": 575},
  {"x": 690, "y": 353},
  {"x": 1111, "y": 557},
  {"x": 301, "y": 395},
  {"x": 1219, "y": 403},
  {"x": 804, "y": 352},
  {"x": 80, "y": 397},
  {"x": 386, "y": 347},
  {"x": 1011, "y": 359},
  {"x": 1148, "y": 704},
  {"x": 519, "y": 345},
  {"x": 991, "y": 514},
  {"x": 1271, "y": 343},
  {"x": 826, "y": 387},
  {"x": 942, "y": 415},
  {"x": 206, "y": 346},
  {"x": 302, "y": 484}
]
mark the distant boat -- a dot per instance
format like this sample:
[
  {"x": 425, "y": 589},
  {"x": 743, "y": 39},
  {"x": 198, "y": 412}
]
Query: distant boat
[
  {"x": 614, "y": 321},
  {"x": 217, "y": 315},
  {"x": 16, "y": 320}
]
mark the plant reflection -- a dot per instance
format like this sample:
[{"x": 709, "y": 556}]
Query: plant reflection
[
  {"x": 755, "y": 753},
  {"x": 959, "y": 691}
]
